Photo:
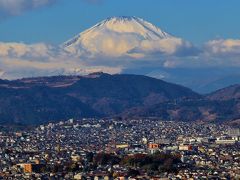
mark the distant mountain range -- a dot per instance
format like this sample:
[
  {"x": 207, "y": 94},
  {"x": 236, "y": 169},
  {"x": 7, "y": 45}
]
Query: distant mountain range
[{"x": 46, "y": 99}]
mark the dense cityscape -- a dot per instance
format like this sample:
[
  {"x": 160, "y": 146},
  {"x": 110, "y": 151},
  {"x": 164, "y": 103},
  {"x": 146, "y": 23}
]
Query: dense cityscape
[{"x": 120, "y": 149}]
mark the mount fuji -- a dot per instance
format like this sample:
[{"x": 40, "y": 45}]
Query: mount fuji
[{"x": 123, "y": 36}]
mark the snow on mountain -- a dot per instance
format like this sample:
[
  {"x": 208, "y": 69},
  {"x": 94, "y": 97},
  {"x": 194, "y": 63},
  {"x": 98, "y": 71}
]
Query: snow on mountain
[{"x": 123, "y": 36}]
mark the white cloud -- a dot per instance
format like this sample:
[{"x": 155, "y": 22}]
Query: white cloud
[
  {"x": 112, "y": 44},
  {"x": 22, "y": 60},
  {"x": 21, "y": 50},
  {"x": 221, "y": 47},
  {"x": 166, "y": 46},
  {"x": 16, "y": 7}
]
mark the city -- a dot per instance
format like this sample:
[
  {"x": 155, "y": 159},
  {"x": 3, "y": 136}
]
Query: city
[
  {"x": 121, "y": 149},
  {"x": 119, "y": 90}
]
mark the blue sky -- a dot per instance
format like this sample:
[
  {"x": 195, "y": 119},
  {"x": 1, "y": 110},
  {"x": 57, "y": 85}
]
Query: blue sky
[{"x": 195, "y": 21}]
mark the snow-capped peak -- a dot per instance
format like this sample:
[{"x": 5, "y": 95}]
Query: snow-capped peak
[
  {"x": 116, "y": 36},
  {"x": 135, "y": 25}
]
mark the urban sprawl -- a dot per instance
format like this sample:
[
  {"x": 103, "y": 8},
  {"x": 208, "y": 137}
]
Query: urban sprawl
[{"x": 121, "y": 149}]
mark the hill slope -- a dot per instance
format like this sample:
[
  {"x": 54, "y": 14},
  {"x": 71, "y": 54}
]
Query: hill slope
[
  {"x": 38, "y": 100},
  {"x": 228, "y": 93}
]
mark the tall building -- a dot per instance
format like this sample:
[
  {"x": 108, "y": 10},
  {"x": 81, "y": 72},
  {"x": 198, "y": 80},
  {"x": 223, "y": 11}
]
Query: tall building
[{"x": 234, "y": 132}]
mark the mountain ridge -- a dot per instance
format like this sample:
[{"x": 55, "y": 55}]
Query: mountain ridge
[{"x": 31, "y": 100}]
